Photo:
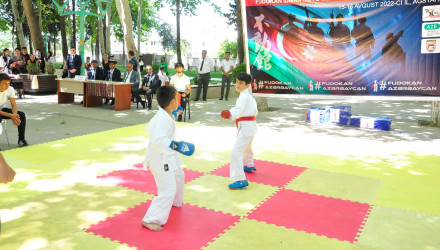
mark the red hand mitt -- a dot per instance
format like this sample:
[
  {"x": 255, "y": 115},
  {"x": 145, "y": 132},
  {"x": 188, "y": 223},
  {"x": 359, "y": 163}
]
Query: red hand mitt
[{"x": 226, "y": 114}]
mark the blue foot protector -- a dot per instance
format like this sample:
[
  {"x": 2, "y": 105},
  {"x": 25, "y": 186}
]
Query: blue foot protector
[
  {"x": 249, "y": 169},
  {"x": 239, "y": 184}
]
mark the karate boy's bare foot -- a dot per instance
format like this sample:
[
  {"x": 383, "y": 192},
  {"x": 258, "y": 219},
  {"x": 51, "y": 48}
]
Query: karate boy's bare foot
[{"x": 152, "y": 226}]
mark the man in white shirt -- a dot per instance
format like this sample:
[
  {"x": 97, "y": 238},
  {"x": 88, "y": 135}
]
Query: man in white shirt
[
  {"x": 226, "y": 66},
  {"x": 205, "y": 67},
  {"x": 182, "y": 84},
  {"x": 18, "y": 118}
]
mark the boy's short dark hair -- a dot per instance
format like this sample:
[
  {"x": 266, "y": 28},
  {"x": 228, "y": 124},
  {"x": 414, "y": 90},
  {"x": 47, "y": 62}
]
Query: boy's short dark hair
[
  {"x": 244, "y": 77},
  {"x": 88, "y": 57},
  {"x": 161, "y": 68},
  {"x": 23, "y": 48},
  {"x": 94, "y": 61},
  {"x": 73, "y": 47},
  {"x": 131, "y": 53},
  {"x": 4, "y": 76},
  {"x": 165, "y": 95},
  {"x": 113, "y": 61},
  {"x": 178, "y": 64}
]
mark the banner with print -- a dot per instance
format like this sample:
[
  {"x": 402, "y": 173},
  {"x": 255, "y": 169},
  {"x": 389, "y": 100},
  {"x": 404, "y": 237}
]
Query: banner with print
[{"x": 356, "y": 48}]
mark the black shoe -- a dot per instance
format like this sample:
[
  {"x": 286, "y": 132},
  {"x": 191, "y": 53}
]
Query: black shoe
[
  {"x": 106, "y": 101},
  {"x": 113, "y": 102},
  {"x": 226, "y": 99},
  {"x": 196, "y": 99},
  {"x": 179, "y": 119},
  {"x": 20, "y": 96},
  {"x": 22, "y": 143},
  {"x": 204, "y": 100},
  {"x": 221, "y": 98}
]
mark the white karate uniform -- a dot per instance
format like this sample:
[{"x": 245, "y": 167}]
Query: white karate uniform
[
  {"x": 165, "y": 165},
  {"x": 242, "y": 150}
]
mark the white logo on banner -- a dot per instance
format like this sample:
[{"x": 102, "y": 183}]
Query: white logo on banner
[
  {"x": 430, "y": 46},
  {"x": 431, "y": 29},
  {"x": 431, "y": 13}
]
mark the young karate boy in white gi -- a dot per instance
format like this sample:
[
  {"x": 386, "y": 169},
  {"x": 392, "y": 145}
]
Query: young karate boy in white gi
[
  {"x": 244, "y": 113},
  {"x": 162, "y": 159}
]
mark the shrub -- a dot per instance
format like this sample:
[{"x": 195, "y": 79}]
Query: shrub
[
  {"x": 33, "y": 68},
  {"x": 155, "y": 67},
  {"x": 240, "y": 68},
  {"x": 50, "y": 68}
]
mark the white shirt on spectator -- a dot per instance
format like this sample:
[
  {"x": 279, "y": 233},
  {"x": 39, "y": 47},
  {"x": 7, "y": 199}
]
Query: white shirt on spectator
[
  {"x": 180, "y": 83},
  {"x": 163, "y": 78},
  {"x": 51, "y": 60},
  {"x": 6, "y": 95},
  {"x": 208, "y": 65},
  {"x": 227, "y": 65}
]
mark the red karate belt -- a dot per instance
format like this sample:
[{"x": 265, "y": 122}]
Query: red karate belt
[{"x": 244, "y": 118}]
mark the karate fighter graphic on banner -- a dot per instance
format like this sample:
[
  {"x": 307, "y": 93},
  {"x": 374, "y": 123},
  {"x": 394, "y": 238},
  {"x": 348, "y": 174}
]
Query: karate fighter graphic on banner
[{"x": 355, "y": 48}]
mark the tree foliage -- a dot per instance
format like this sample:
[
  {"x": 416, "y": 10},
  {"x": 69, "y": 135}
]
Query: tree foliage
[
  {"x": 228, "y": 46},
  {"x": 168, "y": 35},
  {"x": 232, "y": 14}
]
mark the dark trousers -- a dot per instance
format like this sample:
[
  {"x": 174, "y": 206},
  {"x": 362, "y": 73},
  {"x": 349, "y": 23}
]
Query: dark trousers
[
  {"x": 21, "y": 127},
  {"x": 148, "y": 93},
  {"x": 202, "y": 82},
  {"x": 72, "y": 75},
  {"x": 226, "y": 81}
]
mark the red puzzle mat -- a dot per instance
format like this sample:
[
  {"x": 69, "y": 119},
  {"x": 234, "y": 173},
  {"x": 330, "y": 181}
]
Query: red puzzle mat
[{"x": 192, "y": 227}]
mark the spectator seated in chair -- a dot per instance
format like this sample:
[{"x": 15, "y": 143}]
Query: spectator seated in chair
[
  {"x": 182, "y": 84},
  {"x": 113, "y": 75},
  {"x": 149, "y": 86},
  {"x": 132, "y": 77},
  {"x": 18, "y": 118}
]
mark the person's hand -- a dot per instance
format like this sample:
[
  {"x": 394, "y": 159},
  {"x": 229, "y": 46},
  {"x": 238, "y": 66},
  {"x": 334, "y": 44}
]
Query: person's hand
[
  {"x": 7, "y": 174},
  {"x": 72, "y": 70},
  {"x": 183, "y": 95},
  {"x": 145, "y": 88},
  {"x": 179, "y": 112},
  {"x": 16, "y": 119},
  {"x": 227, "y": 74}
]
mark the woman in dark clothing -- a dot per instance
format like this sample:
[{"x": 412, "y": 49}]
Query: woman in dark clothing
[{"x": 105, "y": 65}]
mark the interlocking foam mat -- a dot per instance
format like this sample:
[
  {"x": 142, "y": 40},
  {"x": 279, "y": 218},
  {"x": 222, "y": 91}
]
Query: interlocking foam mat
[{"x": 90, "y": 192}]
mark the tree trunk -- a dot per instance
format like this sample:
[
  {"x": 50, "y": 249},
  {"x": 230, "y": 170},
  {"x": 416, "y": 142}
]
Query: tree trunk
[
  {"x": 108, "y": 48},
  {"x": 63, "y": 33},
  {"x": 101, "y": 39},
  {"x": 240, "y": 38},
  {"x": 32, "y": 19},
  {"x": 435, "y": 113},
  {"x": 179, "y": 52},
  {"x": 127, "y": 25},
  {"x": 18, "y": 24},
  {"x": 40, "y": 24},
  {"x": 73, "y": 41}
]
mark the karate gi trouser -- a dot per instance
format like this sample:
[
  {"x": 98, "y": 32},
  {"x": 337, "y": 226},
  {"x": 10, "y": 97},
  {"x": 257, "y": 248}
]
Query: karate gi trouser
[
  {"x": 241, "y": 154},
  {"x": 170, "y": 193}
]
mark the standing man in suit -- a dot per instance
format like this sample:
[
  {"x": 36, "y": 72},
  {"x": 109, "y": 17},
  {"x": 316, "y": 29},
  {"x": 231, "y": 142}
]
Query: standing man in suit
[
  {"x": 133, "y": 60},
  {"x": 134, "y": 78},
  {"x": 149, "y": 86},
  {"x": 73, "y": 63},
  {"x": 95, "y": 72},
  {"x": 205, "y": 67},
  {"x": 114, "y": 75}
]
